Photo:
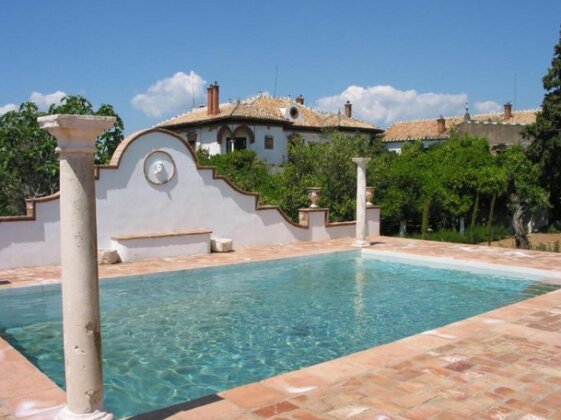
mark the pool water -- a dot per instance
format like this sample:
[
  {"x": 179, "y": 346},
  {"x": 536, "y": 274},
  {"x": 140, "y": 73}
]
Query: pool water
[{"x": 173, "y": 337}]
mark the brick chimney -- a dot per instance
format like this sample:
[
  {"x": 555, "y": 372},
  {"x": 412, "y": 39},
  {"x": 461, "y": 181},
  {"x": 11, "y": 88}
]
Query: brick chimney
[
  {"x": 209, "y": 100},
  {"x": 441, "y": 125},
  {"x": 348, "y": 109},
  {"x": 213, "y": 100},
  {"x": 300, "y": 100},
  {"x": 507, "y": 111},
  {"x": 216, "y": 100}
]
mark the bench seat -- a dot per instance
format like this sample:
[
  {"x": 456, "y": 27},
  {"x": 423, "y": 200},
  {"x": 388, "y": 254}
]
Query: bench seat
[{"x": 138, "y": 246}]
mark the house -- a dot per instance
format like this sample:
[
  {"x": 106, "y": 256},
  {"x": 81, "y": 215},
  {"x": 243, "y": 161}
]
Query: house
[
  {"x": 500, "y": 129},
  {"x": 263, "y": 123}
]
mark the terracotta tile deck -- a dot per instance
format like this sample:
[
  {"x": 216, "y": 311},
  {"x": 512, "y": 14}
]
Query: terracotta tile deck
[{"x": 504, "y": 364}]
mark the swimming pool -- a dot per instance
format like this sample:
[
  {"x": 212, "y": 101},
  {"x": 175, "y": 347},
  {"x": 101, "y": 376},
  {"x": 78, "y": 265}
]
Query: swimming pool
[{"x": 173, "y": 337}]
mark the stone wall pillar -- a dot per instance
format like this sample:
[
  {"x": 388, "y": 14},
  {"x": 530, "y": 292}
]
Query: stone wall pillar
[
  {"x": 76, "y": 135},
  {"x": 360, "y": 238}
]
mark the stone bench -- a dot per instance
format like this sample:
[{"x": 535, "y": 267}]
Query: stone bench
[
  {"x": 138, "y": 246},
  {"x": 221, "y": 245}
]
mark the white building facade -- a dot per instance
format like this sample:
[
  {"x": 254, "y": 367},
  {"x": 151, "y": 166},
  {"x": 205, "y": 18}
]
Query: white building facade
[{"x": 263, "y": 124}]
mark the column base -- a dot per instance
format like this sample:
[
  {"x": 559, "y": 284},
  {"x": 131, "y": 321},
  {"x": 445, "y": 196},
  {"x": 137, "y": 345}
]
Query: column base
[
  {"x": 66, "y": 414},
  {"x": 360, "y": 243}
]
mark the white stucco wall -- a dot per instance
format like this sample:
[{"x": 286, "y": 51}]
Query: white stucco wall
[
  {"x": 128, "y": 204},
  {"x": 207, "y": 138},
  {"x": 32, "y": 242}
]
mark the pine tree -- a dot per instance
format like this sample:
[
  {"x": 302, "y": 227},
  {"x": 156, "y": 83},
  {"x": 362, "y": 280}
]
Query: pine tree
[{"x": 545, "y": 149}]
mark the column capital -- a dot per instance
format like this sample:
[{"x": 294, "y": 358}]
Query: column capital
[
  {"x": 361, "y": 161},
  {"x": 75, "y": 133}
]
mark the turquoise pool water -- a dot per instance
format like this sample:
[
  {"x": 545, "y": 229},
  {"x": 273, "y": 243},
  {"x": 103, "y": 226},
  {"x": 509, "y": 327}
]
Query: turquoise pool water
[{"x": 173, "y": 337}]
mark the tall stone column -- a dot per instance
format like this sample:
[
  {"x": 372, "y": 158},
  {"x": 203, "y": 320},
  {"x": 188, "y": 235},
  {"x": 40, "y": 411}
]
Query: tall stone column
[
  {"x": 360, "y": 239},
  {"x": 76, "y": 135}
]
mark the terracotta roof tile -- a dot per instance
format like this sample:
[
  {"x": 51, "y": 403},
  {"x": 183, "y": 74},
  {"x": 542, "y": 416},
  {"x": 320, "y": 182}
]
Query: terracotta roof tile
[
  {"x": 427, "y": 129},
  {"x": 268, "y": 108}
]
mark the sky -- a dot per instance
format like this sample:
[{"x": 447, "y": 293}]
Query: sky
[{"x": 394, "y": 60}]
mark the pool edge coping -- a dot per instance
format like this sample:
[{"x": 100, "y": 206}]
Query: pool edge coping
[
  {"x": 466, "y": 264},
  {"x": 406, "y": 255}
]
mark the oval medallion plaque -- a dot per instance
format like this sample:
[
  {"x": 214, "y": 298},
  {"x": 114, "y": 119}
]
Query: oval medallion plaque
[{"x": 159, "y": 167}]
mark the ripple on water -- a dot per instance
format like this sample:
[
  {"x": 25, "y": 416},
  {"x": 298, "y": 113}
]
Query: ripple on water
[{"x": 172, "y": 338}]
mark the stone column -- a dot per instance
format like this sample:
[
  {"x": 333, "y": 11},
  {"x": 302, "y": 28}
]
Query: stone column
[
  {"x": 76, "y": 135},
  {"x": 360, "y": 239}
]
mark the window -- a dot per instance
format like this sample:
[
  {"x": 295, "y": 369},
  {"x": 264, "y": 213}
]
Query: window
[
  {"x": 293, "y": 112},
  {"x": 192, "y": 139},
  {"x": 235, "y": 143},
  {"x": 269, "y": 142},
  {"x": 243, "y": 131}
]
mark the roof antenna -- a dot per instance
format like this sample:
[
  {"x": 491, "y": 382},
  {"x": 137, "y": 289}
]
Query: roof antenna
[
  {"x": 514, "y": 90},
  {"x": 276, "y": 74},
  {"x": 193, "y": 91}
]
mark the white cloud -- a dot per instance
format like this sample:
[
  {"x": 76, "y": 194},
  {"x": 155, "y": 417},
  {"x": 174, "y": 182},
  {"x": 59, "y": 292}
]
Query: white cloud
[
  {"x": 45, "y": 101},
  {"x": 173, "y": 94},
  {"x": 383, "y": 105},
  {"x": 8, "y": 108},
  {"x": 485, "y": 107}
]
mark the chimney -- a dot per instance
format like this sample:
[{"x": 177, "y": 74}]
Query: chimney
[
  {"x": 216, "y": 100},
  {"x": 507, "y": 111},
  {"x": 300, "y": 100},
  {"x": 441, "y": 125},
  {"x": 209, "y": 99},
  {"x": 467, "y": 117},
  {"x": 348, "y": 109}
]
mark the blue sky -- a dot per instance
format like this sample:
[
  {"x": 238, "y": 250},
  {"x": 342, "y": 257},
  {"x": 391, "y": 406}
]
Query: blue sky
[{"x": 393, "y": 60}]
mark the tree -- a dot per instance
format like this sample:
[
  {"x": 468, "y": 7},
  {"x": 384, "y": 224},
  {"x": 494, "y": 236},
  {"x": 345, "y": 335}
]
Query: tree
[
  {"x": 523, "y": 191},
  {"x": 545, "y": 149},
  {"x": 298, "y": 174},
  {"x": 493, "y": 181},
  {"x": 398, "y": 184},
  {"x": 326, "y": 164},
  {"x": 28, "y": 162},
  {"x": 463, "y": 160},
  {"x": 431, "y": 189},
  {"x": 336, "y": 172}
]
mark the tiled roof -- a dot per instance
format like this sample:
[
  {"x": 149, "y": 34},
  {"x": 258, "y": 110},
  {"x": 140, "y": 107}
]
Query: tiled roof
[
  {"x": 267, "y": 108},
  {"x": 428, "y": 129},
  {"x": 419, "y": 129}
]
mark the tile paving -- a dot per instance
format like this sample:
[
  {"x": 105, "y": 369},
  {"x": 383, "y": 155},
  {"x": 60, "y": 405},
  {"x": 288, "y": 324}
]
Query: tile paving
[{"x": 504, "y": 364}]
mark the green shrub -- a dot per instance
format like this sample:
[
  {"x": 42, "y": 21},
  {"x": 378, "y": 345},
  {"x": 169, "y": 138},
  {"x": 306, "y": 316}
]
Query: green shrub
[
  {"x": 539, "y": 247},
  {"x": 242, "y": 167},
  {"x": 479, "y": 235},
  {"x": 555, "y": 227}
]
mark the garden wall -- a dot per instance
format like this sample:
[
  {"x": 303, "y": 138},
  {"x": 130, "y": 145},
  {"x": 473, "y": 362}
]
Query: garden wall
[{"x": 153, "y": 195}]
